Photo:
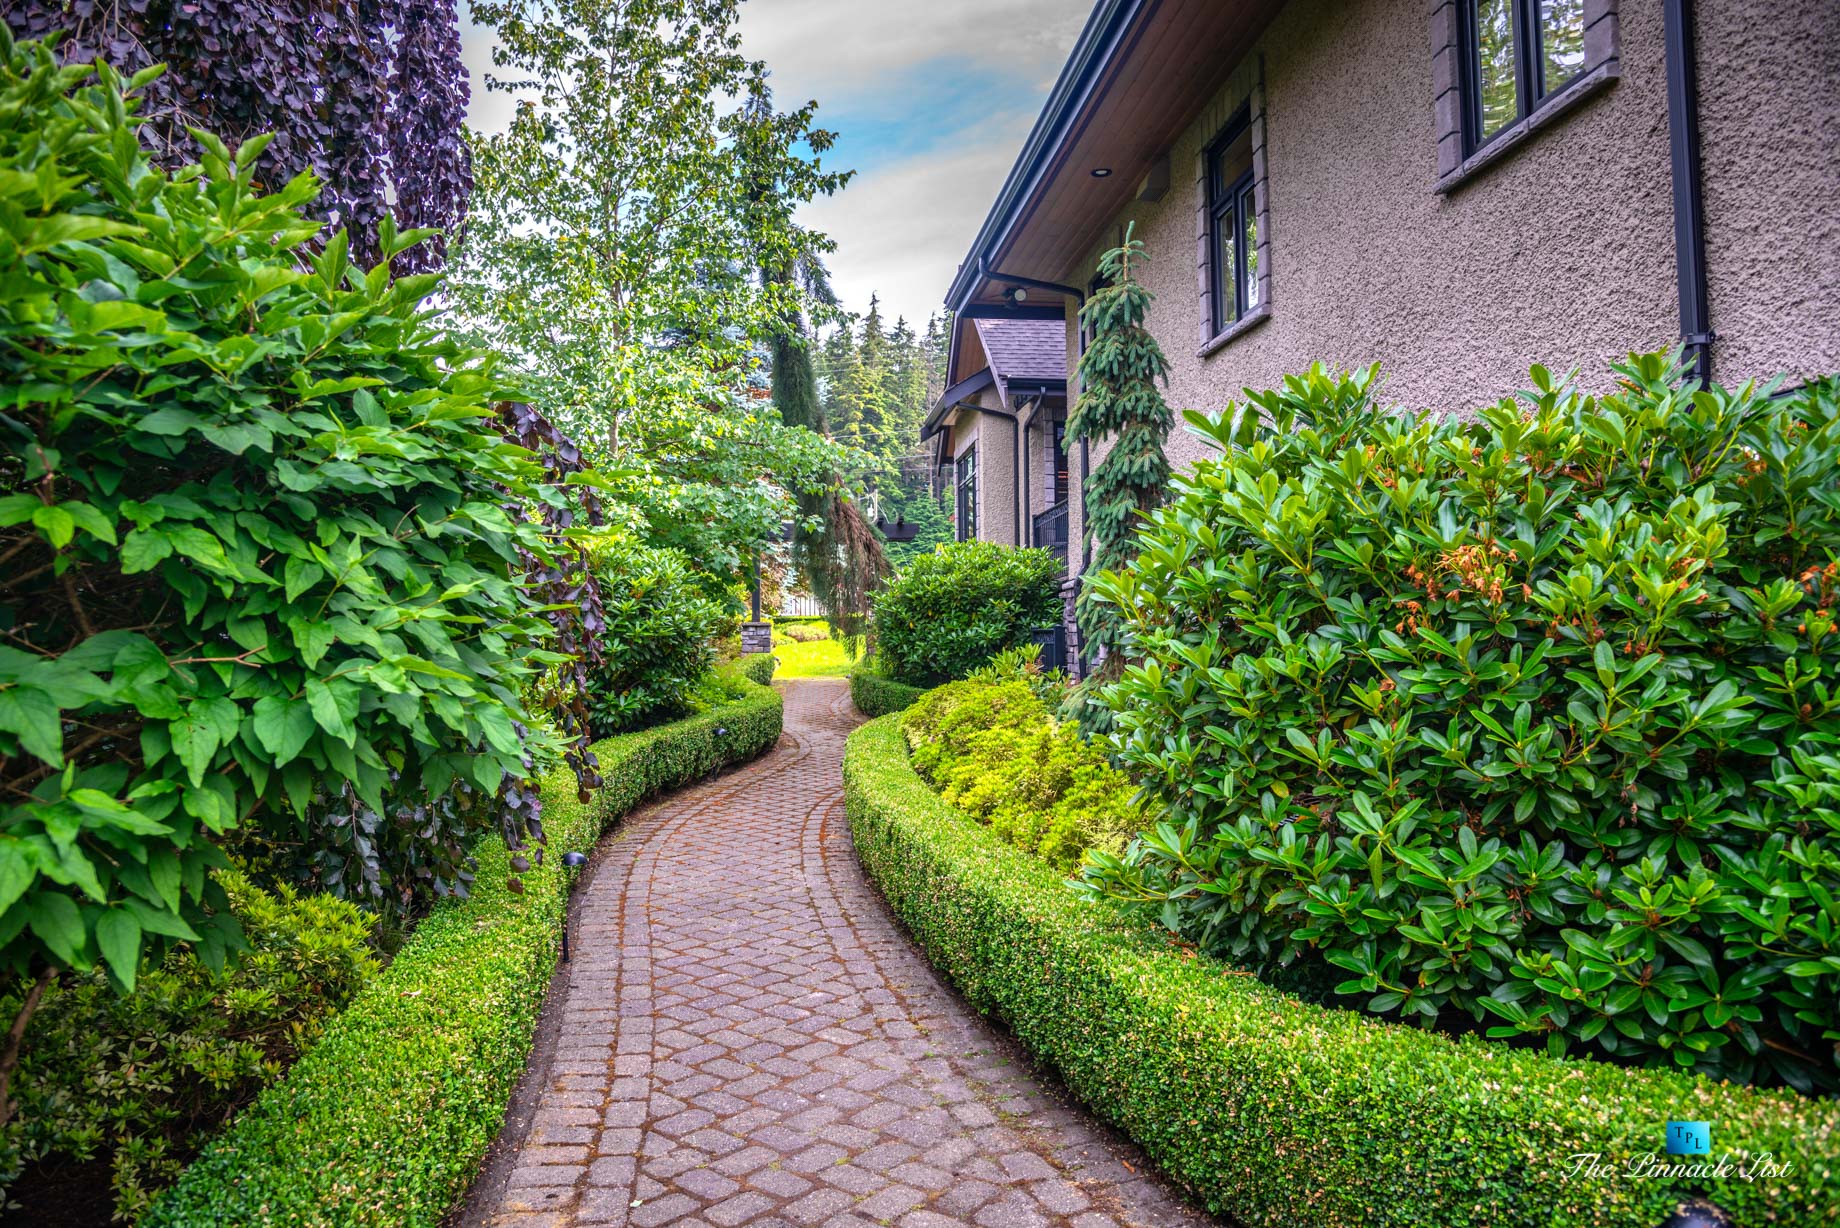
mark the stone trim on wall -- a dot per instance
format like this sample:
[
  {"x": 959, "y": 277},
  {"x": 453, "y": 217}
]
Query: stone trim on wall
[
  {"x": 1246, "y": 89},
  {"x": 1456, "y": 163}
]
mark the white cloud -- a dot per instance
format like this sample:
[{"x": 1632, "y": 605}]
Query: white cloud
[
  {"x": 829, "y": 49},
  {"x": 903, "y": 225},
  {"x": 902, "y": 230}
]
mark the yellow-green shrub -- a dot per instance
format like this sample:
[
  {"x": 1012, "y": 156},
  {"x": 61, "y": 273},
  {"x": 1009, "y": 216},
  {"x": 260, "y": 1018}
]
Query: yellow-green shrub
[{"x": 993, "y": 749}]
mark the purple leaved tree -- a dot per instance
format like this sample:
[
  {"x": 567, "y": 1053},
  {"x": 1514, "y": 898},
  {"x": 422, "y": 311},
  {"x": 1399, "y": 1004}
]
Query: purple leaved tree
[{"x": 368, "y": 95}]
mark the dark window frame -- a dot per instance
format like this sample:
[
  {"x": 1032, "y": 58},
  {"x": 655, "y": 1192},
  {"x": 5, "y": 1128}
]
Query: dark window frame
[
  {"x": 1229, "y": 204},
  {"x": 1057, "y": 443},
  {"x": 965, "y": 486},
  {"x": 1531, "y": 89}
]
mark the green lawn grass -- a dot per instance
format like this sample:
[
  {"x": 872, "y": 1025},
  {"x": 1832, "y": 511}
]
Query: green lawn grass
[{"x": 824, "y": 658}]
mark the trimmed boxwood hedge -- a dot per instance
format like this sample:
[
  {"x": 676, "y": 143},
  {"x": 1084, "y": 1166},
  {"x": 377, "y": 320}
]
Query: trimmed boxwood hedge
[
  {"x": 758, "y": 667},
  {"x": 1290, "y": 1115},
  {"x": 385, "y": 1121},
  {"x": 875, "y": 695}
]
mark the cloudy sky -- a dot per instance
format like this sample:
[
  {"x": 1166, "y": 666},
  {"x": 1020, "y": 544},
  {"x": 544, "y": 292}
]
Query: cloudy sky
[{"x": 931, "y": 100}]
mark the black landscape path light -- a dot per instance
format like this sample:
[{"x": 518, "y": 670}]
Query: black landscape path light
[
  {"x": 721, "y": 732},
  {"x": 1698, "y": 1213},
  {"x": 573, "y": 861}
]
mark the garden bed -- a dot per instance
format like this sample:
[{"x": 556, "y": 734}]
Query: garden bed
[
  {"x": 1286, "y": 1114},
  {"x": 385, "y": 1121}
]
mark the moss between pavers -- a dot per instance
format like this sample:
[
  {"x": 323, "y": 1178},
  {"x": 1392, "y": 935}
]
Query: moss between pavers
[
  {"x": 385, "y": 1121},
  {"x": 1288, "y": 1115}
]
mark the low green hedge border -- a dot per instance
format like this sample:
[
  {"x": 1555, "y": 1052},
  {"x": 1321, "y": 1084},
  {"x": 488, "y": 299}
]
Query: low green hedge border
[
  {"x": 875, "y": 695},
  {"x": 385, "y": 1121},
  {"x": 758, "y": 667},
  {"x": 1289, "y": 1115}
]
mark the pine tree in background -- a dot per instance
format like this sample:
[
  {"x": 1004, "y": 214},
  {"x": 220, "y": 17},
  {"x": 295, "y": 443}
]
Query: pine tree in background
[{"x": 1119, "y": 400}]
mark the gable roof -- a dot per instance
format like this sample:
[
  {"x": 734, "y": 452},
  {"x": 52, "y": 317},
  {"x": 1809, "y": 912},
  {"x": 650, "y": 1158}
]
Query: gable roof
[{"x": 1024, "y": 351}]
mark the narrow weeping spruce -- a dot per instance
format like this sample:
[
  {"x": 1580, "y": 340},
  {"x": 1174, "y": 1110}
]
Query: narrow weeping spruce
[{"x": 1119, "y": 401}]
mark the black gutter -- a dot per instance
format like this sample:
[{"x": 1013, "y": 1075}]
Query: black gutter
[
  {"x": 1696, "y": 335},
  {"x": 953, "y": 397},
  {"x": 986, "y": 273}
]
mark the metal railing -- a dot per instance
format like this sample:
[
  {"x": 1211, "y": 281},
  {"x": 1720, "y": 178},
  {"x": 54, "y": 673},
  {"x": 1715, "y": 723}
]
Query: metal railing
[{"x": 1050, "y": 530}]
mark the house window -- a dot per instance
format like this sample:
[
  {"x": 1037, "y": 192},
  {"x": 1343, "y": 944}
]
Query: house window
[
  {"x": 967, "y": 495},
  {"x": 1519, "y": 54},
  {"x": 1233, "y": 227},
  {"x": 1059, "y": 462}
]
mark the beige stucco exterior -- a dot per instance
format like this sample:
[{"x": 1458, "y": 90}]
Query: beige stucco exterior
[
  {"x": 1561, "y": 252},
  {"x": 998, "y": 483}
]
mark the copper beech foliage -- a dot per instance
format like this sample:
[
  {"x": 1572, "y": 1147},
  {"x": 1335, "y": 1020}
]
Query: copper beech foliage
[{"x": 368, "y": 95}]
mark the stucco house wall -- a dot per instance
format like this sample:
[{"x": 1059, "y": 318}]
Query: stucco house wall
[
  {"x": 997, "y": 484},
  {"x": 1561, "y": 252},
  {"x": 1769, "y": 112}
]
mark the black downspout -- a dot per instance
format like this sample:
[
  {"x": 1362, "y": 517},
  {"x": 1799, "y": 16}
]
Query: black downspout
[
  {"x": 1079, "y": 297},
  {"x": 1085, "y": 534},
  {"x": 1030, "y": 283},
  {"x": 1696, "y": 335},
  {"x": 1025, "y": 525}
]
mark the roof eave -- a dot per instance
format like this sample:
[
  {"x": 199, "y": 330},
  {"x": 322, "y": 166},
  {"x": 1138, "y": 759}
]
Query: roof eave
[
  {"x": 952, "y": 398},
  {"x": 1098, "y": 45}
]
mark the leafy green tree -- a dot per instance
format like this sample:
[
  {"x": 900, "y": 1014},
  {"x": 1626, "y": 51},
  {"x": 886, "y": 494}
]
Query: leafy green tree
[
  {"x": 257, "y": 559},
  {"x": 1119, "y": 400},
  {"x": 612, "y": 250}
]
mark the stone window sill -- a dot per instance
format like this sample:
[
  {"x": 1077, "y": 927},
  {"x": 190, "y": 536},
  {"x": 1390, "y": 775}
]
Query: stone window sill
[
  {"x": 1246, "y": 323},
  {"x": 1511, "y": 138}
]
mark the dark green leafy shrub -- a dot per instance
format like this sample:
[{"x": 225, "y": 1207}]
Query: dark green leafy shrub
[
  {"x": 1530, "y": 721},
  {"x": 384, "y": 1122},
  {"x": 950, "y": 611},
  {"x": 993, "y": 750},
  {"x": 658, "y": 640},
  {"x": 1286, "y": 1115},
  {"x": 135, "y": 1079},
  {"x": 258, "y": 564}
]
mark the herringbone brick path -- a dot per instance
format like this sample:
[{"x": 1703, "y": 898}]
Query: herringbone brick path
[{"x": 747, "y": 1038}]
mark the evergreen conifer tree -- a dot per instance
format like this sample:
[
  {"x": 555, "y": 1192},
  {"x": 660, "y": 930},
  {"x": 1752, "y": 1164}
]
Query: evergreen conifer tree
[{"x": 1120, "y": 401}]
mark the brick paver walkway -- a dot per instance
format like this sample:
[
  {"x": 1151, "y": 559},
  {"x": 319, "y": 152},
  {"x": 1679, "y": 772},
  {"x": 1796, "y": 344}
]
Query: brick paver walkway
[{"x": 748, "y": 1038}]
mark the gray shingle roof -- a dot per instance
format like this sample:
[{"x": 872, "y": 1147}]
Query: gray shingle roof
[{"x": 1024, "y": 349}]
